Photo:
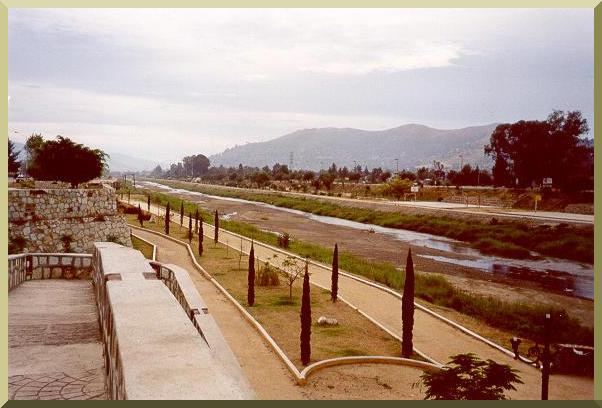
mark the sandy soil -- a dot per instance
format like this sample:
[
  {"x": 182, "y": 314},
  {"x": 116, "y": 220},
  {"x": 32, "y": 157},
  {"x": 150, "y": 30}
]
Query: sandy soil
[
  {"x": 383, "y": 248},
  {"x": 366, "y": 381}
]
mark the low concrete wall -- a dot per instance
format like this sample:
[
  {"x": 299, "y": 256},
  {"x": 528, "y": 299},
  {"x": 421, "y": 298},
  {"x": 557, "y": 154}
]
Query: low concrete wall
[
  {"x": 152, "y": 348},
  {"x": 22, "y": 267}
]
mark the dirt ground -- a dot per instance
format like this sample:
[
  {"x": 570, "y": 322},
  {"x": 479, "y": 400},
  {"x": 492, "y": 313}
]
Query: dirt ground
[
  {"x": 380, "y": 247},
  {"x": 365, "y": 382}
]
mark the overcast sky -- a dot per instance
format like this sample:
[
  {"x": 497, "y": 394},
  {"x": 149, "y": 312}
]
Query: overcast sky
[{"x": 159, "y": 84}]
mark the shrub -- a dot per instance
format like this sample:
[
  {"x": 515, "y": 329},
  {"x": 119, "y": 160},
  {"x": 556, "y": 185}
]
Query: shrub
[
  {"x": 467, "y": 377},
  {"x": 16, "y": 245},
  {"x": 284, "y": 240},
  {"x": 267, "y": 276}
]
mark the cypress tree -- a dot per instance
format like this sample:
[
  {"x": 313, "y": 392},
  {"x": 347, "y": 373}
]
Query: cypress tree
[
  {"x": 407, "y": 308},
  {"x": 182, "y": 213},
  {"x": 216, "y": 227},
  {"x": 190, "y": 232},
  {"x": 334, "y": 289},
  {"x": 305, "y": 320},
  {"x": 148, "y": 203},
  {"x": 201, "y": 238},
  {"x": 251, "y": 278},
  {"x": 140, "y": 218},
  {"x": 167, "y": 214},
  {"x": 196, "y": 220}
]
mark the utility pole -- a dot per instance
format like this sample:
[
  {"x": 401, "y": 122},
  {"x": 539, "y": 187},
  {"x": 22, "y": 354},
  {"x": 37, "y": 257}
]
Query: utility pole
[
  {"x": 545, "y": 360},
  {"x": 397, "y": 165}
]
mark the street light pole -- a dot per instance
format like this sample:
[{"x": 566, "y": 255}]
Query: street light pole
[{"x": 545, "y": 372}]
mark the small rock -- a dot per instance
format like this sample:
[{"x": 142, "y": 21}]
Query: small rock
[{"x": 327, "y": 321}]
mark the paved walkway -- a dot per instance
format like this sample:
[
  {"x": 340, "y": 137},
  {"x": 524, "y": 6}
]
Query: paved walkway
[
  {"x": 54, "y": 343},
  {"x": 432, "y": 336}
]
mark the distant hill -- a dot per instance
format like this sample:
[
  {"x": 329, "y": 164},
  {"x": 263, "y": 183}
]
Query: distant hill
[
  {"x": 414, "y": 145},
  {"x": 117, "y": 161}
]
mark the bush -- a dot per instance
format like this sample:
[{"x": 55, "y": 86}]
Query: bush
[
  {"x": 16, "y": 245},
  {"x": 284, "y": 240},
  {"x": 267, "y": 276}
]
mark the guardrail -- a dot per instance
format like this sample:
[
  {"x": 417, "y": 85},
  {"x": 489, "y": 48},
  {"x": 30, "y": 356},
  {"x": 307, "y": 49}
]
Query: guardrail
[{"x": 37, "y": 265}]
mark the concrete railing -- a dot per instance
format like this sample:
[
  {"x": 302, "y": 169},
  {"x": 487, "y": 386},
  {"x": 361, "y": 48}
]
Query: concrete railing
[
  {"x": 22, "y": 267},
  {"x": 145, "y": 332}
]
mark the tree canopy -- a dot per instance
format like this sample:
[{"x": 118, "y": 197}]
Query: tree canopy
[
  {"x": 526, "y": 152},
  {"x": 13, "y": 163},
  {"x": 63, "y": 160}
]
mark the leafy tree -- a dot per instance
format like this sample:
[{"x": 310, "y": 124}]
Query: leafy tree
[
  {"x": 157, "y": 172},
  {"x": 397, "y": 187},
  {"x": 251, "y": 277},
  {"x": 13, "y": 163},
  {"x": 201, "y": 238},
  {"x": 334, "y": 289},
  {"x": 305, "y": 320},
  {"x": 327, "y": 179},
  {"x": 167, "y": 216},
  {"x": 260, "y": 178},
  {"x": 64, "y": 160},
  {"x": 292, "y": 271},
  {"x": 407, "y": 308},
  {"x": 527, "y": 151},
  {"x": 467, "y": 377},
  {"x": 215, "y": 227}
]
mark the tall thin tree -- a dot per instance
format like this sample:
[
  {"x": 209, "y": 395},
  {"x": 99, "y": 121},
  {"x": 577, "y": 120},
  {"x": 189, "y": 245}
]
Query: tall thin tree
[
  {"x": 196, "y": 220},
  {"x": 215, "y": 227},
  {"x": 167, "y": 215},
  {"x": 407, "y": 308},
  {"x": 201, "y": 238},
  {"x": 334, "y": 289},
  {"x": 140, "y": 216},
  {"x": 305, "y": 320},
  {"x": 190, "y": 231},
  {"x": 251, "y": 278},
  {"x": 182, "y": 213},
  {"x": 148, "y": 203}
]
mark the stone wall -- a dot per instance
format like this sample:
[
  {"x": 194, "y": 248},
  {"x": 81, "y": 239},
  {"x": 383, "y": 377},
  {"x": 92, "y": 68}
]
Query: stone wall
[{"x": 64, "y": 220}]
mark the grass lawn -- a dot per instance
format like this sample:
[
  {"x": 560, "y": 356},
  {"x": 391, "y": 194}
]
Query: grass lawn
[{"x": 354, "y": 335}]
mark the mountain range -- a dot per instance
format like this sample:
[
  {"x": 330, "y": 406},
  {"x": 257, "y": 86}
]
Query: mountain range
[{"x": 404, "y": 147}]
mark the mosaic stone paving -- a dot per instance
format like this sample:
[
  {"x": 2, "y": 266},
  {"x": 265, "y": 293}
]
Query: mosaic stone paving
[
  {"x": 87, "y": 385},
  {"x": 55, "y": 349}
]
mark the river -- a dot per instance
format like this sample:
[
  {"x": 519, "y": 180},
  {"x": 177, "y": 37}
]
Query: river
[{"x": 570, "y": 277}]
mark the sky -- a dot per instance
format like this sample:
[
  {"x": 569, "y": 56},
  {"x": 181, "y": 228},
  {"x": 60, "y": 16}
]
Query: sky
[{"x": 163, "y": 83}]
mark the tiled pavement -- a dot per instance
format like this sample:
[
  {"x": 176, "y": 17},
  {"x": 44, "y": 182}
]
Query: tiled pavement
[{"x": 55, "y": 350}]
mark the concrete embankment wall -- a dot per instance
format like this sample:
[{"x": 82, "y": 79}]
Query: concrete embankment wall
[
  {"x": 160, "y": 340},
  {"x": 64, "y": 220}
]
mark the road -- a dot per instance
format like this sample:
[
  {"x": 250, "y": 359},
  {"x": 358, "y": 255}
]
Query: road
[{"x": 452, "y": 208}]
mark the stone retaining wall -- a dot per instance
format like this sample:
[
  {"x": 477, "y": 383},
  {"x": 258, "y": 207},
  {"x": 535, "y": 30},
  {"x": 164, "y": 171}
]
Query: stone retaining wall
[{"x": 64, "y": 220}]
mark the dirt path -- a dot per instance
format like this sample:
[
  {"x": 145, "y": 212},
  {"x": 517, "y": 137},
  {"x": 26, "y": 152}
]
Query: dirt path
[{"x": 431, "y": 335}]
